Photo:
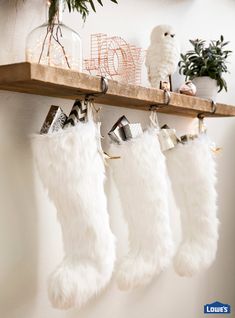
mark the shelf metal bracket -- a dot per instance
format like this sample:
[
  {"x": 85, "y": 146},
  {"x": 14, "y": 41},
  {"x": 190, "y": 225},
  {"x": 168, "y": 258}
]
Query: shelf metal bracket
[
  {"x": 213, "y": 111},
  {"x": 104, "y": 85},
  {"x": 167, "y": 99}
]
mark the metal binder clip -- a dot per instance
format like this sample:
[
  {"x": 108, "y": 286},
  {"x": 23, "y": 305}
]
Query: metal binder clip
[{"x": 201, "y": 116}]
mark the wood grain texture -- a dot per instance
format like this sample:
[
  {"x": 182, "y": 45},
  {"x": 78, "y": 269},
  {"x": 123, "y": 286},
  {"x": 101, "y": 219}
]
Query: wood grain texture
[{"x": 50, "y": 81}]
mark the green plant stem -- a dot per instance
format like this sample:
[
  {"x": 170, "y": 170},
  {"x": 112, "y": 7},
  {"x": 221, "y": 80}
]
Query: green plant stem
[{"x": 81, "y": 6}]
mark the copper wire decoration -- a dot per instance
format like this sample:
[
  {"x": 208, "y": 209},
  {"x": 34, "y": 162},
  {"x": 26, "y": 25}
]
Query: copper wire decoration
[{"x": 114, "y": 58}]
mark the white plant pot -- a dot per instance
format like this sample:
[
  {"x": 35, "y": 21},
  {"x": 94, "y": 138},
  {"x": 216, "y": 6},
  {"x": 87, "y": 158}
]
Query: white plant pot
[{"x": 206, "y": 87}]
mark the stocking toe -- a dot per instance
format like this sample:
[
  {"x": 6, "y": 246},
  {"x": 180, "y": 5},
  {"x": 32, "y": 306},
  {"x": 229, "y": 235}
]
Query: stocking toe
[
  {"x": 189, "y": 259},
  {"x": 134, "y": 272}
]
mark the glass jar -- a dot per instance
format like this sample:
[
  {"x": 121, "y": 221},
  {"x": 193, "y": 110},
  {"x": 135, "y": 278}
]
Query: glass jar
[{"x": 55, "y": 44}]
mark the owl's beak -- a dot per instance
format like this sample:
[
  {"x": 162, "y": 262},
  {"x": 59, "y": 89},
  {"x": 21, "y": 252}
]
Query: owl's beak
[{"x": 172, "y": 35}]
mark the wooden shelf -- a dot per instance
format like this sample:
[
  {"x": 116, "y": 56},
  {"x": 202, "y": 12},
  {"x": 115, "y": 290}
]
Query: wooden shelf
[{"x": 50, "y": 81}]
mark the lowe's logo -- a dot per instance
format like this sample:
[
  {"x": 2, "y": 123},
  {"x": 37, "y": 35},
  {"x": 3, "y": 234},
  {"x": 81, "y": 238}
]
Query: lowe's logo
[{"x": 217, "y": 308}]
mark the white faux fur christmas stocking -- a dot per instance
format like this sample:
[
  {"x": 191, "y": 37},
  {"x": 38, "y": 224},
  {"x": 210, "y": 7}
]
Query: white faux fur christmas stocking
[
  {"x": 72, "y": 170},
  {"x": 192, "y": 171},
  {"x": 140, "y": 176}
]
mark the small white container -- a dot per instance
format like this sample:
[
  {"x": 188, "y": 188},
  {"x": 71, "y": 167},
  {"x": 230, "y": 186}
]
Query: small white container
[{"x": 206, "y": 87}]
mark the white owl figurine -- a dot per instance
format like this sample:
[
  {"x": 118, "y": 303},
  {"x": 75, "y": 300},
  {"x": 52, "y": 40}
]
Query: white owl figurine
[{"x": 162, "y": 55}]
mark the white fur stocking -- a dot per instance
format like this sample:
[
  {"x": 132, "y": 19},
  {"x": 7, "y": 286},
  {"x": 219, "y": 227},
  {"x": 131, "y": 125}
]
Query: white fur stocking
[
  {"x": 141, "y": 180},
  {"x": 72, "y": 170},
  {"x": 193, "y": 175}
]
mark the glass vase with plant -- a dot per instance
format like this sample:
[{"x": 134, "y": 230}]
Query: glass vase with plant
[{"x": 55, "y": 44}]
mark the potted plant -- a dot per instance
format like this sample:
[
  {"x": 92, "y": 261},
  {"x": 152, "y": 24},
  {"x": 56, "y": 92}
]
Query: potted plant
[{"x": 205, "y": 65}]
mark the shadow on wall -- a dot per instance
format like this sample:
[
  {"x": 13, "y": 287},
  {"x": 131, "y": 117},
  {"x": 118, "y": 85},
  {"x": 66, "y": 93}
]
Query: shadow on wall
[
  {"x": 18, "y": 212},
  {"x": 168, "y": 2},
  {"x": 219, "y": 281},
  {"x": 16, "y": 23}
]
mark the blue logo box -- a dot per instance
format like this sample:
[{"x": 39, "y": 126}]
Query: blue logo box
[{"x": 217, "y": 308}]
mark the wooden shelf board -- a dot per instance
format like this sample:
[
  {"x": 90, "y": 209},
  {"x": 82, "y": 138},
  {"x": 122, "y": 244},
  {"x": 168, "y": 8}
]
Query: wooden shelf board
[{"x": 56, "y": 82}]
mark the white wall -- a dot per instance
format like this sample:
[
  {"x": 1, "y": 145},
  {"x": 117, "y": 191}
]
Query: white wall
[{"x": 30, "y": 238}]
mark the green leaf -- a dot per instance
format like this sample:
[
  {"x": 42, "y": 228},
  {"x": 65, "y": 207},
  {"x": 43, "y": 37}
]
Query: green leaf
[
  {"x": 92, "y": 5},
  {"x": 81, "y": 6}
]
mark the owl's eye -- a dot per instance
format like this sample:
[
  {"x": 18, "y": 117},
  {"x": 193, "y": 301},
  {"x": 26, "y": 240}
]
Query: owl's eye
[{"x": 166, "y": 33}]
